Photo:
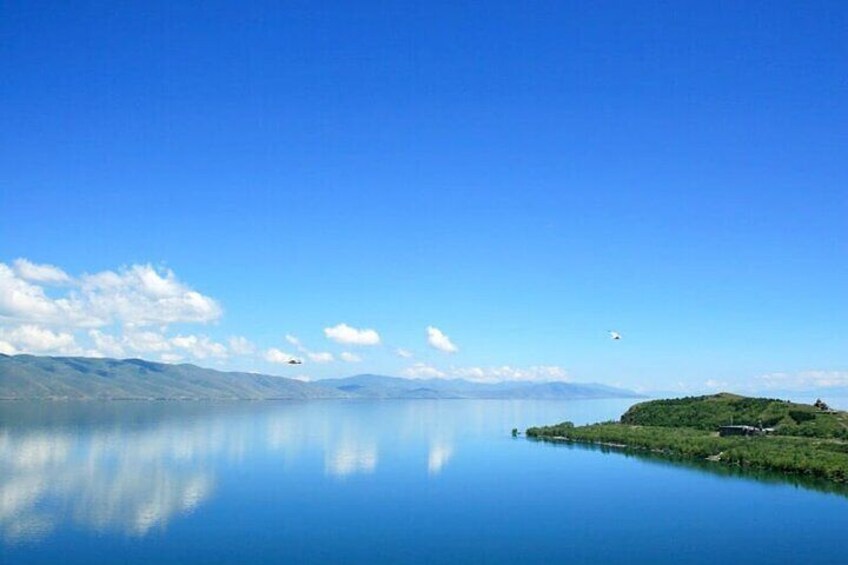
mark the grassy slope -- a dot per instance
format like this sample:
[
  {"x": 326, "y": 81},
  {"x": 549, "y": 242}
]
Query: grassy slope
[{"x": 685, "y": 427}]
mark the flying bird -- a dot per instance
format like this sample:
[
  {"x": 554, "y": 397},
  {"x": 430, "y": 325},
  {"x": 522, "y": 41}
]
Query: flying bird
[
  {"x": 614, "y": 335},
  {"x": 295, "y": 362}
]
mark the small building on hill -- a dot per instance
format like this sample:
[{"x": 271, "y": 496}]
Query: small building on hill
[{"x": 742, "y": 431}]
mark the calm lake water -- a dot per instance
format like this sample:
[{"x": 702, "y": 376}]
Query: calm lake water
[{"x": 378, "y": 482}]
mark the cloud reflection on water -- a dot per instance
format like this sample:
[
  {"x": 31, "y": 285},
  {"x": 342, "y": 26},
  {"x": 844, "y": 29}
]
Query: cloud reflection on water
[{"x": 134, "y": 468}]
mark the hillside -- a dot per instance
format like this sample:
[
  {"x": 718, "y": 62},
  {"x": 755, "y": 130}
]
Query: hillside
[
  {"x": 806, "y": 439},
  {"x": 710, "y": 412},
  {"x": 27, "y": 377}
]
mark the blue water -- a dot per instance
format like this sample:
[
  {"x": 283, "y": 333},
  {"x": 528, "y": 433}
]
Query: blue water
[{"x": 378, "y": 482}]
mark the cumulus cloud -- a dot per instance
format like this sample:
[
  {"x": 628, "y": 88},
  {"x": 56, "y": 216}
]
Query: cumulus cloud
[
  {"x": 440, "y": 341},
  {"x": 29, "y": 338},
  {"x": 106, "y": 344},
  {"x": 142, "y": 295},
  {"x": 401, "y": 352},
  {"x": 345, "y": 334},
  {"x": 274, "y": 355},
  {"x": 22, "y": 301},
  {"x": 349, "y": 357},
  {"x": 44, "y": 273},
  {"x": 136, "y": 296},
  {"x": 111, "y": 313},
  {"x": 200, "y": 347},
  {"x": 423, "y": 371},
  {"x": 168, "y": 349}
]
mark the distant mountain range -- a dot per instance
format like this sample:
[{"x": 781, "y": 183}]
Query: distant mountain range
[
  {"x": 378, "y": 386},
  {"x": 29, "y": 377}
]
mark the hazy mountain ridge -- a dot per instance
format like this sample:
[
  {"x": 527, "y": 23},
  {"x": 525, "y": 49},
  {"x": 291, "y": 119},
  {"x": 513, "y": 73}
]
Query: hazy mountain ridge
[
  {"x": 83, "y": 378},
  {"x": 29, "y": 377},
  {"x": 379, "y": 386}
]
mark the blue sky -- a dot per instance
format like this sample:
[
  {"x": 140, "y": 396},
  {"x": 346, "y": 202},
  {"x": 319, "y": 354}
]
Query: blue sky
[{"x": 521, "y": 177}]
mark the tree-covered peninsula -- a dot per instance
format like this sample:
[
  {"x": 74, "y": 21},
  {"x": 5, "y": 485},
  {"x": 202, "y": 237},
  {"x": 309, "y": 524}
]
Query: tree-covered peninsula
[{"x": 782, "y": 436}]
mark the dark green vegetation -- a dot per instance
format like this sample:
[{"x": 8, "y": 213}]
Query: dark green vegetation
[
  {"x": 710, "y": 412},
  {"x": 806, "y": 440},
  {"x": 28, "y": 377}
]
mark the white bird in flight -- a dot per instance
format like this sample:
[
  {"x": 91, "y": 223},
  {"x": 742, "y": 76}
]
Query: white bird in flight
[{"x": 615, "y": 335}]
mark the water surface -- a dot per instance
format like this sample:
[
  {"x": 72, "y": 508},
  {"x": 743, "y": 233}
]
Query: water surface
[{"x": 378, "y": 481}]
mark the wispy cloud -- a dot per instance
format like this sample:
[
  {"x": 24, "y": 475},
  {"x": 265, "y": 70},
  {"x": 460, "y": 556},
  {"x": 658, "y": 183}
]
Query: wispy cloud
[
  {"x": 43, "y": 273},
  {"x": 536, "y": 373},
  {"x": 274, "y": 355},
  {"x": 322, "y": 357},
  {"x": 422, "y": 371},
  {"x": 315, "y": 357},
  {"x": 802, "y": 380}
]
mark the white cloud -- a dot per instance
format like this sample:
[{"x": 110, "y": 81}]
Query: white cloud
[
  {"x": 314, "y": 356},
  {"x": 137, "y": 302},
  {"x": 142, "y": 295},
  {"x": 322, "y": 357},
  {"x": 146, "y": 341},
  {"x": 295, "y": 341},
  {"x": 170, "y": 349},
  {"x": 350, "y": 357},
  {"x": 401, "y": 352},
  {"x": 241, "y": 346},
  {"x": 136, "y": 296},
  {"x": 422, "y": 371},
  {"x": 200, "y": 347},
  {"x": 29, "y": 338},
  {"x": 537, "y": 373},
  {"x": 274, "y": 355},
  {"x": 21, "y": 301},
  {"x": 40, "y": 273},
  {"x": 440, "y": 341},
  {"x": 802, "y": 380},
  {"x": 342, "y": 333},
  {"x": 106, "y": 344}
]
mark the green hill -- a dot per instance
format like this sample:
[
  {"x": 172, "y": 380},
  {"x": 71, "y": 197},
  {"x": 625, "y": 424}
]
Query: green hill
[
  {"x": 710, "y": 412},
  {"x": 805, "y": 439}
]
